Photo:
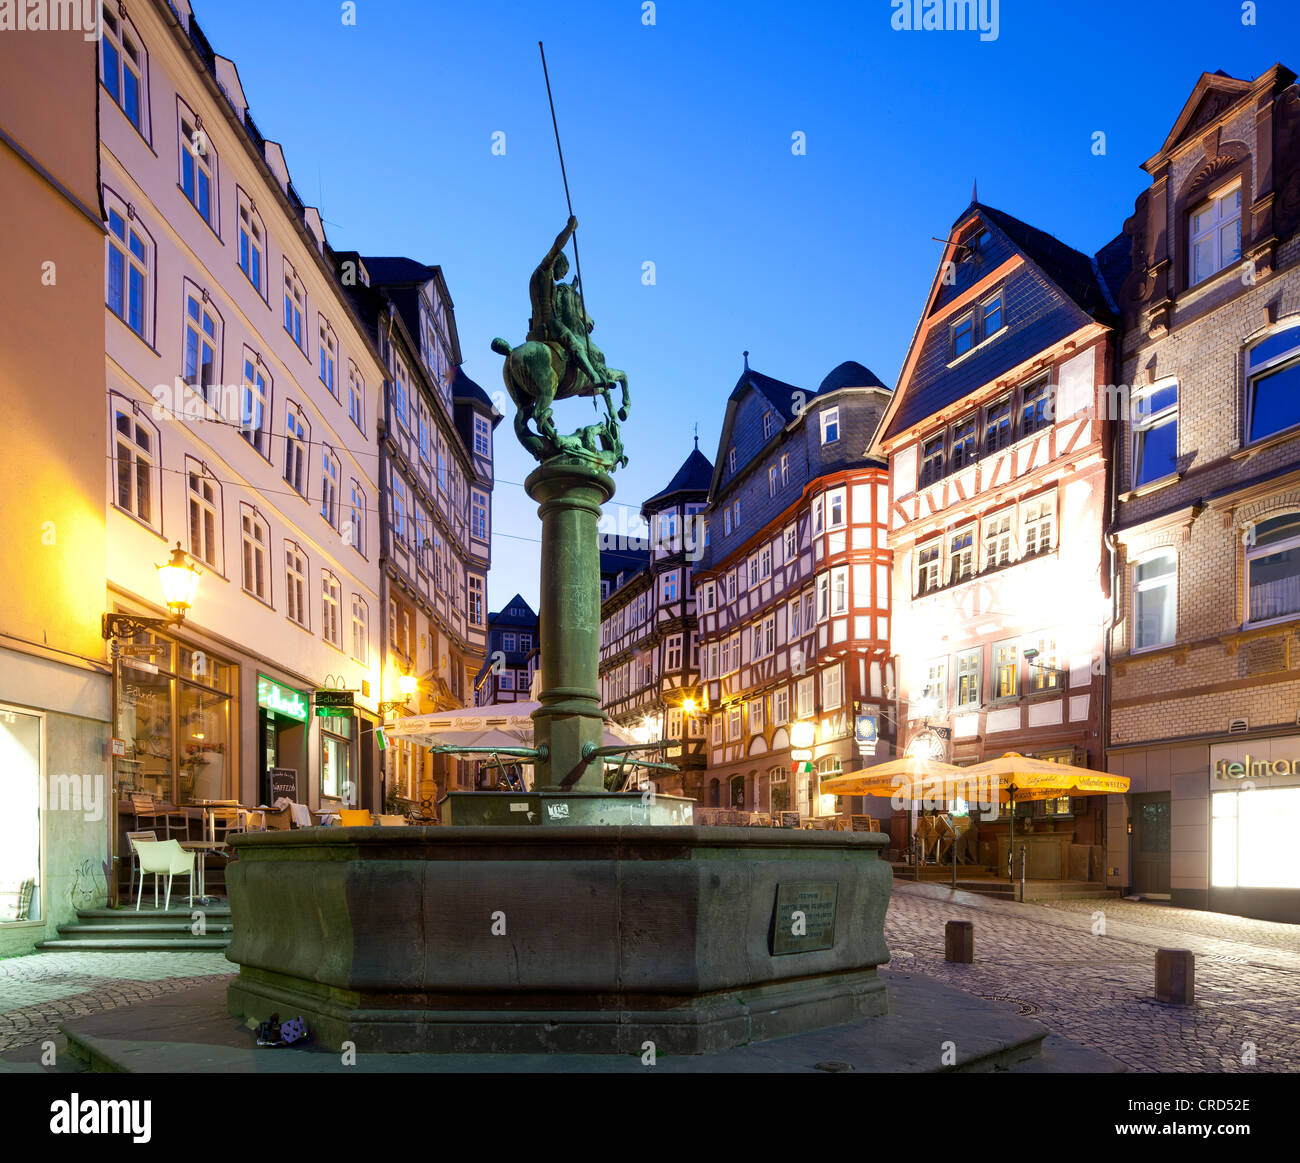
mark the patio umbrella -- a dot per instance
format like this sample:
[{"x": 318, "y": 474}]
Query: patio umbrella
[
  {"x": 1020, "y": 777},
  {"x": 913, "y": 777}
]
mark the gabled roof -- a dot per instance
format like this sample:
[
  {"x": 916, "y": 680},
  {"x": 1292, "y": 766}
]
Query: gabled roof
[
  {"x": 850, "y": 374},
  {"x": 778, "y": 393},
  {"x": 1079, "y": 278},
  {"x": 1210, "y": 96},
  {"x": 464, "y": 388},
  {"x": 395, "y": 271},
  {"x": 503, "y": 617},
  {"x": 693, "y": 477}
]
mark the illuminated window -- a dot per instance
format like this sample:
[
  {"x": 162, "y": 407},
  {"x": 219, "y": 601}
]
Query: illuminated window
[
  {"x": 1273, "y": 568},
  {"x": 927, "y": 567},
  {"x": 1006, "y": 670}
]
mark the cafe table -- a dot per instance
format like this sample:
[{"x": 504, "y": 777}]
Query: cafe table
[{"x": 201, "y": 848}]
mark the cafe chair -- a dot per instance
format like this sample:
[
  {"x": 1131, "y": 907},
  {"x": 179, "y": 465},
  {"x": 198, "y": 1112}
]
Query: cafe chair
[
  {"x": 164, "y": 858},
  {"x": 148, "y": 813},
  {"x": 132, "y": 838},
  {"x": 223, "y": 822}
]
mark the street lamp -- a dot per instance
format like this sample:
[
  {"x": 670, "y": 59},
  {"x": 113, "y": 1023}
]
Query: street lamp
[
  {"x": 179, "y": 579},
  {"x": 408, "y": 684}
]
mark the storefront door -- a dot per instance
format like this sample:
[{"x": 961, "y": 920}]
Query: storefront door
[
  {"x": 1151, "y": 843},
  {"x": 20, "y": 816}
]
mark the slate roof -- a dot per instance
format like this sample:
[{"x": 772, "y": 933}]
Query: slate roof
[
  {"x": 850, "y": 374},
  {"x": 693, "y": 477},
  {"x": 504, "y": 618},
  {"x": 464, "y": 388},
  {"x": 629, "y": 561},
  {"x": 781, "y": 395},
  {"x": 396, "y": 270},
  {"x": 1078, "y": 288}
]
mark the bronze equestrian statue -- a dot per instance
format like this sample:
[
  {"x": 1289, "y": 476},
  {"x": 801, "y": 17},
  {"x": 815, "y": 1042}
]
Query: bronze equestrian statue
[{"x": 558, "y": 360}]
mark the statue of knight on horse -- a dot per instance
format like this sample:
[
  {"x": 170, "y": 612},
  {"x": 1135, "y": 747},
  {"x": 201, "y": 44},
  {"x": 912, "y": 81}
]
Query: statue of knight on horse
[{"x": 557, "y": 360}]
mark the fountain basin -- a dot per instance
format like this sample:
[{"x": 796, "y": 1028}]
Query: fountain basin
[{"x": 577, "y": 939}]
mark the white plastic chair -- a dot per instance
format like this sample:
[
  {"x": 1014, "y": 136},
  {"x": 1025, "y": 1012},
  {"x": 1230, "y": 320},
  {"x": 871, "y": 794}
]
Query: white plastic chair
[
  {"x": 164, "y": 858},
  {"x": 134, "y": 838}
]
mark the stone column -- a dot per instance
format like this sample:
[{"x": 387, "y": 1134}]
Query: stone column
[{"x": 569, "y": 493}]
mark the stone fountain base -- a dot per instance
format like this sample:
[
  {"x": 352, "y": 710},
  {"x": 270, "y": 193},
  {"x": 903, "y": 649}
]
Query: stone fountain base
[{"x": 578, "y": 939}]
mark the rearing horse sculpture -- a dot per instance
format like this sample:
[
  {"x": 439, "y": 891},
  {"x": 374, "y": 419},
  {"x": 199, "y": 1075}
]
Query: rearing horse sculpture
[{"x": 558, "y": 360}]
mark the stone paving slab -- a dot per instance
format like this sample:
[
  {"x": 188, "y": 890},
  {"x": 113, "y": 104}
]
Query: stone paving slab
[{"x": 191, "y": 1032}]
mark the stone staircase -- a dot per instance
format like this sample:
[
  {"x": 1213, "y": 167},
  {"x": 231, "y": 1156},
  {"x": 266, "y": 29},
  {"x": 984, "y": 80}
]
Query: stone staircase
[{"x": 150, "y": 930}]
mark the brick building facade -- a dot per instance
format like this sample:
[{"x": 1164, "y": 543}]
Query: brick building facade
[{"x": 1204, "y": 652}]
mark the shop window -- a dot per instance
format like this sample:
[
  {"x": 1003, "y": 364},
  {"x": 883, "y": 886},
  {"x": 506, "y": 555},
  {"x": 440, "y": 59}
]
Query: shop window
[{"x": 21, "y": 824}]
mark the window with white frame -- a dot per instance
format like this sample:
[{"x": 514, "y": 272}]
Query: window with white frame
[
  {"x": 1035, "y": 407},
  {"x": 823, "y": 597},
  {"x": 731, "y": 460},
  {"x": 1155, "y": 581},
  {"x": 785, "y": 469},
  {"x": 836, "y": 509},
  {"x": 756, "y": 641},
  {"x": 356, "y": 397},
  {"x": 715, "y": 730},
  {"x": 478, "y": 523},
  {"x": 482, "y": 436},
  {"x": 295, "y": 580},
  {"x": 124, "y": 68},
  {"x": 726, "y": 522},
  {"x": 830, "y": 425},
  {"x": 997, "y": 425},
  {"x": 769, "y": 424},
  {"x": 506, "y": 680},
  {"x": 360, "y": 629},
  {"x": 295, "y": 305},
  {"x": 731, "y": 585},
  {"x": 991, "y": 316},
  {"x": 202, "y": 342},
  {"x": 253, "y": 535},
  {"x": 927, "y": 566},
  {"x": 401, "y": 534},
  {"x": 1037, "y": 525},
  {"x": 963, "y": 334},
  {"x": 961, "y": 555},
  {"x": 673, "y": 653},
  {"x": 735, "y": 514},
  {"x": 670, "y": 586},
  {"x": 771, "y": 480},
  {"x": 203, "y": 497},
  {"x": 329, "y": 356},
  {"x": 734, "y": 725},
  {"x": 998, "y": 540},
  {"x": 968, "y": 678},
  {"x": 252, "y": 244},
  {"x": 1214, "y": 234},
  {"x": 817, "y": 515},
  {"x": 708, "y": 597},
  {"x": 804, "y": 696},
  {"x": 129, "y": 263},
  {"x": 793, "y": 627},
  {"x": 1273, "y": 568},
  {"x": 475, "y": 600},
  {"x": 936, "y": 683},
  {"x": 331, "y": 599},
  {"x": 780, "y": 706},
  {"x": 1273, "y": 384},
  {"x": 1155, "y": 433},
  {"x": 832, "y": 687},
  {"x": 753, "y": 570},
  {"x": 840, "y": 590},
  {"x": 136, "y": 454},
  {"x": 1006, "y": 670},
  {"x": 755, "y": 716},
  {"x": 255, "y": 405},
  {"x": 931, "y": 460},
  {"x": 356, "y": 527},
  {"x": 765, "y": 562},
  {"x": 808, "y": 620},
  {"x": 790, "y": 543},
  {"x": 198, "y": 165},
  {"x": 1045, "y": 673},
  {"x": 297, "y": 439},
  {"x": 964, "y": 448},
  {"x": 329, "y": 489}
]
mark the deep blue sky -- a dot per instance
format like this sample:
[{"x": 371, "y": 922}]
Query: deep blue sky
[{"x": 677, "y": 140}]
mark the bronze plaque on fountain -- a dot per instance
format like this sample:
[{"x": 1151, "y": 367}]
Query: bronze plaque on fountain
[{"x": 805, "y": 917}]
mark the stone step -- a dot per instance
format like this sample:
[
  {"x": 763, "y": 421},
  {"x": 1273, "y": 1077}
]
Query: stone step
[
  {"x": 148, "y": 913},
  {"x": 159, "y": 930},
  {"x": 134, "y": 944}
]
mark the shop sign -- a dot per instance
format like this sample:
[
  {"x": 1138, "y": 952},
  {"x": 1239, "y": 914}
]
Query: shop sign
[
  {"x": 864, "y": 728},
  {"x": 282, "y": 700},
  {"x": 334, "y": 712},
  {"x": 332, "y": 698},
  {"x": 801, "y": 753},
  {"x": 119, "y": 746},
  {"x": 1261, "y": 763}
]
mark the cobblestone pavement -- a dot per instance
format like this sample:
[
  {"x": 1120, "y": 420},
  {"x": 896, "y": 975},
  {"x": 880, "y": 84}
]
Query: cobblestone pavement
[
  {"x": 40, "y": 991},
  {"x": 1044, "y": 959},
  {"x": 1098, "y": 989}
]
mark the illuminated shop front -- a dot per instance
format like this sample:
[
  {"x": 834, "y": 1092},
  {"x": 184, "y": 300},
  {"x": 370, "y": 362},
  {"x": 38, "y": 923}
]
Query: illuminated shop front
[
  {"x": 1254, "y": 824},
  {"x": 282, "y": 721},
  {"x": 21, "y": 821},
  {"x": 172, "y": 716}
]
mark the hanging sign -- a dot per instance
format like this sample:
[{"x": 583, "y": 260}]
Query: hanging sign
[{"x": 282, "y": 700}]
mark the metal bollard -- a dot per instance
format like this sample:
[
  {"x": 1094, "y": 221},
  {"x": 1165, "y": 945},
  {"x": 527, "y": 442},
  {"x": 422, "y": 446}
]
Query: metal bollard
[
  {"x": 1176, "y": 976},
  {"x": 959, "y": 942}
]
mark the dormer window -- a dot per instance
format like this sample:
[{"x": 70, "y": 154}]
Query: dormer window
[{"x": 1214, "y": 234}]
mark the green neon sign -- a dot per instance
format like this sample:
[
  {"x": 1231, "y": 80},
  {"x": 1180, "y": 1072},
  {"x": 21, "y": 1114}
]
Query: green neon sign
[{"x": 282, "y": 700}]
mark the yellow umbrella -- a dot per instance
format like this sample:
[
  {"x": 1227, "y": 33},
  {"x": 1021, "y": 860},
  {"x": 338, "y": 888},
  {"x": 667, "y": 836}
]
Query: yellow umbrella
[
  {"x": 1020, "y": 778},
  {"x": 909, "y": 777}
]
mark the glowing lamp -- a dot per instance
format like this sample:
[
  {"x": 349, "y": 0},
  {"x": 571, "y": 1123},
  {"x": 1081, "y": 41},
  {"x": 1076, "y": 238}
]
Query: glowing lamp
[
  {"x": 179, "y": 579},
  {"x": 408, "y": 684},
  {"x": 802, "y": 734}
]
